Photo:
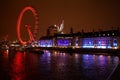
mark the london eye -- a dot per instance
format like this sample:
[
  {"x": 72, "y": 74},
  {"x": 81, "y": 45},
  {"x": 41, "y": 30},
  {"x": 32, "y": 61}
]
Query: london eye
[{"x": 32, "y": 35}]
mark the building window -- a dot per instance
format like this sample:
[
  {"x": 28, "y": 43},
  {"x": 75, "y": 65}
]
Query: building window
[{"x": 115, "y": 44}]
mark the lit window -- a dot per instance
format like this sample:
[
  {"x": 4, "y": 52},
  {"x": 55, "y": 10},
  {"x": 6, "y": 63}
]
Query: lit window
[
  {"x": 103, "y": 34},
  {"x": 99, "y": 34},
  {"x": 99, "y": 42},
  {"x": 113, "y": 34},
  {"x": 115, "y": 43}
]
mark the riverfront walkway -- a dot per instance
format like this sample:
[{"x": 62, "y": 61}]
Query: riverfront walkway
[{"x": 83, "y": 50}]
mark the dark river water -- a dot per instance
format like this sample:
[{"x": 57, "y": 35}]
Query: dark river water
[{"x": 55, "y": 66}]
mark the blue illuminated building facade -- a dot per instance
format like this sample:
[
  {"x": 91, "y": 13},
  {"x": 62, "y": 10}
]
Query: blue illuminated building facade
[
  {"x": 102, "y": 40},
  {"x": 46, "y": 42}
]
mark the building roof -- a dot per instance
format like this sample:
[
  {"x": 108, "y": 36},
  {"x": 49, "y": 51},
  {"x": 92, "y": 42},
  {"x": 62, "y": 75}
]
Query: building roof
[{"x": 86, "y": 34}]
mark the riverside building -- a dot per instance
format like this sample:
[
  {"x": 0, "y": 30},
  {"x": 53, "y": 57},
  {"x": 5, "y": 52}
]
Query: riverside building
[{"x": 102, "y": 40}]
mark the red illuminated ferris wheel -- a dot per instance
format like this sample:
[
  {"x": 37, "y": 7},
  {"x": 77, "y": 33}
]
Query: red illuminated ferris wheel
[{"x": 32, "y": 35}]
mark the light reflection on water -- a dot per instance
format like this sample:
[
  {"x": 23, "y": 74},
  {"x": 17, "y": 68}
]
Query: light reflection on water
[{"x": 53, "y": 65}]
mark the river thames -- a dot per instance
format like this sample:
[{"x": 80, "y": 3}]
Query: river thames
[{"x": 53, "y": 65}]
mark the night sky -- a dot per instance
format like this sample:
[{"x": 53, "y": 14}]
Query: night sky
[{"x": 79, "y": 14}]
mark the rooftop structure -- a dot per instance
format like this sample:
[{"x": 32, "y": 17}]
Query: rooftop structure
[{"x": 54, "y": 29}]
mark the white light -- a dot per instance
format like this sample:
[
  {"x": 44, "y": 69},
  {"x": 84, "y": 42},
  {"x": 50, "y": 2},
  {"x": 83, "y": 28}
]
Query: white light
[
  {"x": 115, "y": 47},
  {"x": 112, "y": 33},
  {"x": 103, "y": 34}
]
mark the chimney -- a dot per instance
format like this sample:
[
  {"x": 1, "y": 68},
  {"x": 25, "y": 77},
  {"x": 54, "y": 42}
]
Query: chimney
[{"x": 71, "y": 30}]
